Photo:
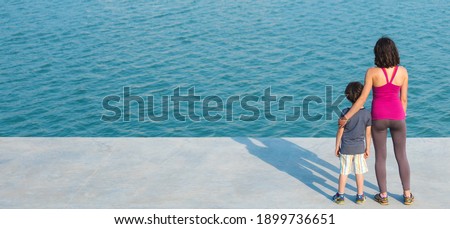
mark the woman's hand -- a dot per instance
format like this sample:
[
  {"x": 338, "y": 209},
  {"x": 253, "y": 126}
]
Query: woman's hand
[{"x": 342, "y": 121}]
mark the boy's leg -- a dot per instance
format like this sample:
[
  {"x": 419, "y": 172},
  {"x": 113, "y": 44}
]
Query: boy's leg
[
  {"x": 345, "y": 162},
  {"x": 360, "y": 183},
  {"x": 360, "y": 197},
  {"x": 360, "y": 169},
  {"x": 346, "y": 168},
  {"x": 342, "y": 183}
]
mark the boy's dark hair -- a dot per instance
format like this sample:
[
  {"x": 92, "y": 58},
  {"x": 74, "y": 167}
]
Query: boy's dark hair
[
  {"x": 386, "y": 53},
  {"x": 353, "y": 91}
]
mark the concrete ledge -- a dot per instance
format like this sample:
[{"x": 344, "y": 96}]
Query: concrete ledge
[{"x": 204, "y": 173}]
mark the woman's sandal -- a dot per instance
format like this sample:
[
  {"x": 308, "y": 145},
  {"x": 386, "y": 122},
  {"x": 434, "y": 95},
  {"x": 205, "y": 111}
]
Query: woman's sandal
[
  {"x": 408, "y": 200},
  {"x": 381, "y": 200}
]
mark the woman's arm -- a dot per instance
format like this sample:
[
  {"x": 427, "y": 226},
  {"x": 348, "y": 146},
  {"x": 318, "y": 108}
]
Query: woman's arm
[
  {"x": 361, "y": 100},
  {"x": 404, "y": 92}
]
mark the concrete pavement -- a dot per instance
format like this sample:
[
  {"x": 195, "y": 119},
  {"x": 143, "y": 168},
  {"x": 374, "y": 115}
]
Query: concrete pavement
[{"x": 221, "y": 173}]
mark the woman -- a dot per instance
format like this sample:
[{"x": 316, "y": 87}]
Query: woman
[{"x": 390, "y": 88}]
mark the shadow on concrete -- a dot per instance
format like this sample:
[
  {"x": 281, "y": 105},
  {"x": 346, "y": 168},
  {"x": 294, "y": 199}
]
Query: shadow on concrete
[{"x": 300, "y": 163}]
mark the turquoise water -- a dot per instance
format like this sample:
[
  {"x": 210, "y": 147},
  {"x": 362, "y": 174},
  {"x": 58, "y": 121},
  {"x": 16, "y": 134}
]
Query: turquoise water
[{"x": 60, "y": 59}]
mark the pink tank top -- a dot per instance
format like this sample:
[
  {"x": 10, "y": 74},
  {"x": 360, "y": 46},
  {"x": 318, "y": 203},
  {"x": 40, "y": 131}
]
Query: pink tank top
[{"x": 386, "y": 103}]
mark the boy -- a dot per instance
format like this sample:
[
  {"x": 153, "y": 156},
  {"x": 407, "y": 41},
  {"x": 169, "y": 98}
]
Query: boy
[{"x": 350, "y": 147}]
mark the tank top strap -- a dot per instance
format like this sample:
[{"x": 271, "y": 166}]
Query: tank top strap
[
  {"x": 385, "y": 75},
  {"x": 393, "y": 74}
]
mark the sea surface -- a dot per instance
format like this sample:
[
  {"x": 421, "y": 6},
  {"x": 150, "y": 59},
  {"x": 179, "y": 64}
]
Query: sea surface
[{"x": 69, "y": 68}]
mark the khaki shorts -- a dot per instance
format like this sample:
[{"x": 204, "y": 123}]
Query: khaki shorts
[{"x": 348, "y": 161}]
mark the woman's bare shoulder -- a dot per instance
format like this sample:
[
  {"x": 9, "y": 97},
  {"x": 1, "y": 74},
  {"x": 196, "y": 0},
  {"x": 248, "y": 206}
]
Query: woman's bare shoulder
[
  {"x": 372, "y": 71},
  {"x": 402, "y": 72},
  {"x": 402, "y": 69}
]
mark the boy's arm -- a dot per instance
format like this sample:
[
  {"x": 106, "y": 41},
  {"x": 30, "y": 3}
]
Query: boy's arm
[
  {"x": 339, "y": 134},
  {"x": 368, "y": 141}
]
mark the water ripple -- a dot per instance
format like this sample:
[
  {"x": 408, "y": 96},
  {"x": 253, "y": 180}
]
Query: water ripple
[{"x": 59, "y": 59}]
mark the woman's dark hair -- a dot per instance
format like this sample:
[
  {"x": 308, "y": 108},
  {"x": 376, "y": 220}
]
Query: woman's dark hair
[
  {"x": 353, "y": 91},
  {"x": 386, "y": 53}
]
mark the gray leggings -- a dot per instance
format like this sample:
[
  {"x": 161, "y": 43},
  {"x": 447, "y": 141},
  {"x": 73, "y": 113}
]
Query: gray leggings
[{"x": 398, "y": 134}]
